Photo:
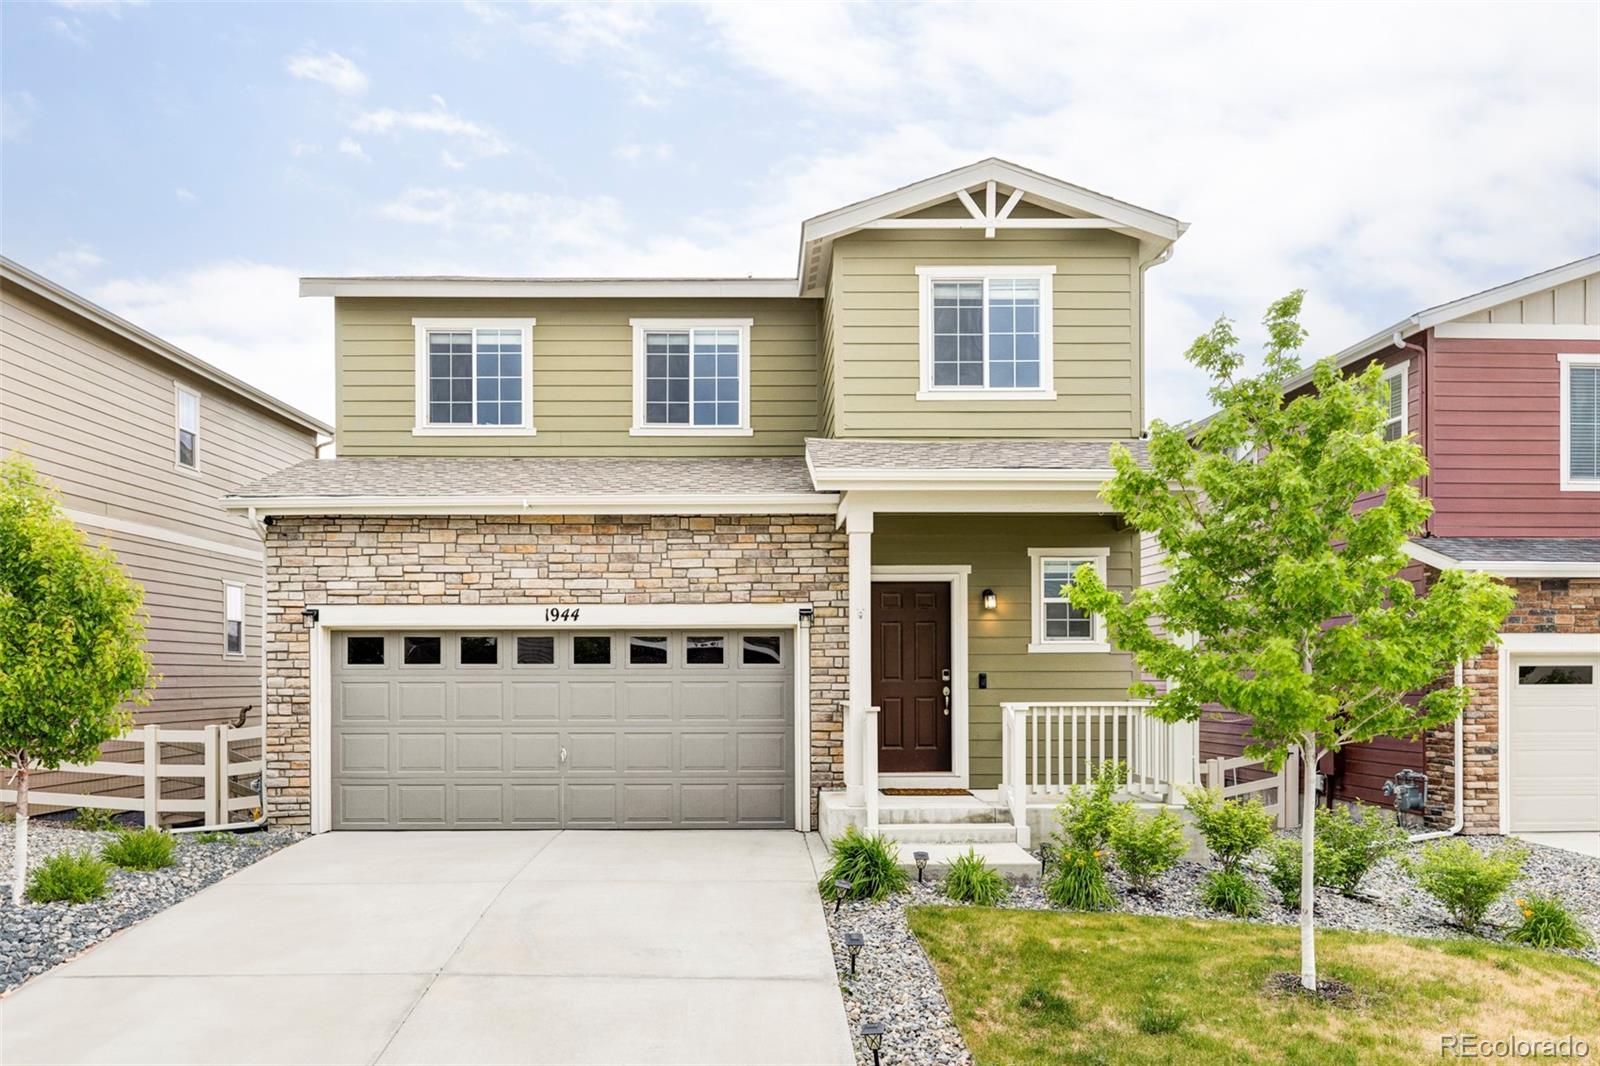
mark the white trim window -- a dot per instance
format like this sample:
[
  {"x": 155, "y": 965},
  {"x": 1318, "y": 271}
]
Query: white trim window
[
  {"x": 691, "y": 377},
  {"x": 474, "y": 376},
  {"x": 985, "y": 333},
  {"x": 1396, "y": 423},
  {"x": 232, "y": 619},
  {"x": 186, "y": 428},
  {"x": 1580, "y": 422},
  {"x": 1057, "y": 625}
]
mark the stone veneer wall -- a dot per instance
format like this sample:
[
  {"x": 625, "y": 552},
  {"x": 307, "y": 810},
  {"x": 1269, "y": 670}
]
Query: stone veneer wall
[
  {"x": 1544, "y": 605},
  {"x": 532, "y": 559}
]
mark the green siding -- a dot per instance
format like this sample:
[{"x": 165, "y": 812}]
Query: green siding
[
  {"x": 996, "y": 547},
  {"x": 582, "y": 376}
]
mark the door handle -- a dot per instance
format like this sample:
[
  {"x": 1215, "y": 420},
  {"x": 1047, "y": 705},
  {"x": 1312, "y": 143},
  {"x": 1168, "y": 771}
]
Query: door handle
[
  {"x": 947, "y": 700},
  {"x": 563, "y": 754}
]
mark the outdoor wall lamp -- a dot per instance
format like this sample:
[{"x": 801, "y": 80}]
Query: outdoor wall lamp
[
  {"x": 310, "y": 614},
  {"x": 853, "y": 943},
  {"x": 989, "y": 599}
]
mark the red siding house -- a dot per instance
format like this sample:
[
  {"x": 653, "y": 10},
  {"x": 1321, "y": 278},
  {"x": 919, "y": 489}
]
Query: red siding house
[{"x": 1502, "y": 390}]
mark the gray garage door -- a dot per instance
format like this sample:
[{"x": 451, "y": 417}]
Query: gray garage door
[{"x": 449, "y": 730}]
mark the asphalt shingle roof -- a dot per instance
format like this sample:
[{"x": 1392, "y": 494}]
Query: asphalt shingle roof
[
  {"x": 833, "y": 454},
  {"x": 1516, "y": 549}
]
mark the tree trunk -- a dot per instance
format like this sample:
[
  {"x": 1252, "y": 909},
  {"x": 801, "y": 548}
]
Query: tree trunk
[
  {"x": 1308, "y": 893},
  {"x": 19, "y": 870}
]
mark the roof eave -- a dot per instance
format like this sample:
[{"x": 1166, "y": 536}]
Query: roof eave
[
  {"x": 531, "y": 504},
  {"x": 547, "y": 288},
  {"x": 1501, "y": 567}
]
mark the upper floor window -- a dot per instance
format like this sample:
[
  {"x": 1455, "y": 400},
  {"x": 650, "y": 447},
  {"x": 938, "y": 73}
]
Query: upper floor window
[
  {"x": 1057, "y": 625},
  {"x": 474, "y": 375},
  {"x": 986, "y": 333},
  {"x": 1395, "y": 418},
  {"x": 188, "y": 429},
  {"x": 691, "y": 377},
  {"x": 1580, "y": 422},
  {"x": 232, "y": 619}
]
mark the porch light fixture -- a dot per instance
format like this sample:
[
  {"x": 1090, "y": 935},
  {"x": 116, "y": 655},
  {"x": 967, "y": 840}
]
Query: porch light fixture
[
  {"x": 989, "y": 599},
  {"x": 840, "y": 889},
  {"x": 853, "y": 943},
  {"x": 922, "y": 862},
  {"x": 310, "y": 614},
  {"x": 872, "y": 1036}
]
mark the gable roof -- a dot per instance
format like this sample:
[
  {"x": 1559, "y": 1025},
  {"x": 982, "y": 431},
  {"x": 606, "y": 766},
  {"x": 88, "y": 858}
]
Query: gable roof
[{"x": 14, "y": 273}]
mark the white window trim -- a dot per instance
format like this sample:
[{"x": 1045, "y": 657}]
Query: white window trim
[
  {"x": 179, "y": 391},
  {"x": 1038, "y": 643},
  {"x": 927, "y": 275},
  {"x": 1401, "y": 370},
  {"x": 1568, "y": 482},
  {"x": 244, "y": 613},
  {"x": 422, "y": 428},
  {"x": 641, "y": 326}
]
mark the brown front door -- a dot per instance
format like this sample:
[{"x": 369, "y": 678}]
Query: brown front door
[{"x": 911, "y": 675}]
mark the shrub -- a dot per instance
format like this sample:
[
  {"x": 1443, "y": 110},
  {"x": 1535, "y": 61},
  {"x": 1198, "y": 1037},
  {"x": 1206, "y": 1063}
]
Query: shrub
[
  {"x": 94, "y": 819},
  {"x": 1078, "y": 882},
  {"x": 1465, "y": 880},
  {"x": 1547, "y": 924},
  {"x": 1146, "y": 846},
  {"x": 73, "y": 877},
  {"x": 1232, "y": 828},
  {"x": 214, "y": 836},
  {"x": 145, "y": 849},
  {"x": 1349, "y": 846},
  {"x": 970, "y": 880},
  {"x": 870, "y": 864},
  {"x": 1230, "y": 892},
  {"x": 1283, "y": 867},
  {"x": 1084, "y": 819}
]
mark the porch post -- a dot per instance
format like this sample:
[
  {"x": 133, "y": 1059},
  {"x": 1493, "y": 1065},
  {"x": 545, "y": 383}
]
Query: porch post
[
  {"x": 1183, "y": 759},
  {"x": 858, "y": 527}
]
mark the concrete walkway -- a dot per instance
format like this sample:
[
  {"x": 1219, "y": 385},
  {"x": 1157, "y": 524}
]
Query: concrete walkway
[{"x": 537, "y": 947}]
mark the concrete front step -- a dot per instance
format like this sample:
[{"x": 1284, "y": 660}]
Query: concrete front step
[
  {"x": 915, "y": 810},
  {"x": 1011, "y": 860},
  {"x": 961, "y": 833}
]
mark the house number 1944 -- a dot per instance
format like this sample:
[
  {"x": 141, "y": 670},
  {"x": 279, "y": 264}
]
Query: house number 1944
[{"x": 561, "y": 614}]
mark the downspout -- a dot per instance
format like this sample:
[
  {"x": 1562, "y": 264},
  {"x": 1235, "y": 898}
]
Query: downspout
[
  {"x": 1424, "y": 367},
  {"x": 1461, "y": 801},
  {"x": 1144, "y": 371}
]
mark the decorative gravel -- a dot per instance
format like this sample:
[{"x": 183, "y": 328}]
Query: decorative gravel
[
  {"x": 38, "y": 936},
  {"x": 896, "y": 983}
]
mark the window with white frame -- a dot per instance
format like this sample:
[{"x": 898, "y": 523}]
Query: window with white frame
[
  {"x": 691, "y": 377},
  {"x": 1395, "y": 416},
  {"x": 187, "y": 426},
  {"x": 474, "y": 375},
  {"x": 986, "y": 332},
  {"x": 1057, "y": 625},
  {"x": 1580, "y": 422},
  {"x": 232, "y": 619}
]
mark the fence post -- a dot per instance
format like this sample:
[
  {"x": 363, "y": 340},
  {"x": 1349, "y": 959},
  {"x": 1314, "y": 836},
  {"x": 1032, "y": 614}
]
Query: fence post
[
  {"x": 152, "y": 776},
  {"x": 212, "y": 767},
  {"x": 1289, "y": 793}
]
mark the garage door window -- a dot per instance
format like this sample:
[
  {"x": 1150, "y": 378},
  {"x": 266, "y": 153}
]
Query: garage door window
[
  {"x": 647, "y": 651},
  {"x": 703, "y": 651},
  {"x": 363, "y": 651},
  {"x": 591, "y": 651},
  {"x": 1555, "y": 675},
  {"x": 480, "y": 651},
  {"x": 536, "y": 651},
  {"x": 763, "y": 651},
  {"x": 423, "y": 651}
]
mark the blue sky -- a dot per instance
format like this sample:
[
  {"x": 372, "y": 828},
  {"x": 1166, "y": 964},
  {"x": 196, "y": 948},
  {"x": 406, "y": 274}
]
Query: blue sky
[{"x": 183, "y": 164}]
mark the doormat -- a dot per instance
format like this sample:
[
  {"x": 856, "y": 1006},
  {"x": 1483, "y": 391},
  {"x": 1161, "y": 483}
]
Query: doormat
[{"x": 925, "y": 792}]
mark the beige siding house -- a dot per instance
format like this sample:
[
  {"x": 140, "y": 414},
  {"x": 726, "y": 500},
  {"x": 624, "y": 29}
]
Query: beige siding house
[
  {"x": 725, "y": 552},
  {"x": 144, "y": 440}
]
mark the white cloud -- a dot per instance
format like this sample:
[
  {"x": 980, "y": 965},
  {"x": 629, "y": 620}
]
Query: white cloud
[
  {"x": 301, "y": 149},
  {"x": 440, "y": 120},
  {"x": 328, "y": 68},
  {"x": 244, "y": 317},
  {"x": 183, "y": 194},
  {"x": 351, "y": 147},
  {"x": 17, "y": 111},
  {"x": 624, "y": 40},
  {"x": 73, "y": 262},
  {"x": 451, "y": 161},
  {"x": 640, "y": 153}
]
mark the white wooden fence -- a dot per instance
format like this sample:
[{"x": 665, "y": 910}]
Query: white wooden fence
[
  {"x": 1277, "y": 792},
  {"x": 213, "y": 773}
]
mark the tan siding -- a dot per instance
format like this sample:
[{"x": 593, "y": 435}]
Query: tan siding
[
  {"x": 582, "y": 376},
  {"x": 996, "y": 547},
  {"x": 874, "y": 297},
  {"x": 1577, "y": 303}
]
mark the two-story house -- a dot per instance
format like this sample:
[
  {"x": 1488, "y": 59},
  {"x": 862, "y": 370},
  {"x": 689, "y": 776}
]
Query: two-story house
[
  {"x": 1502, "y": 391},
  {"x": 691, "y": 552},
  {"x": 144, "y": 440}
]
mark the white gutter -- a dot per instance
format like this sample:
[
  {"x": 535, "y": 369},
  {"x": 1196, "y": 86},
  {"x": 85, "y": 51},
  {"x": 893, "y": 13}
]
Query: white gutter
[
  {"x": 708, "y": 504},
  {"x": 1461, "y": 800},
  {"x": 1500, "y": 567},
  {"x": 527, "y": 288}
]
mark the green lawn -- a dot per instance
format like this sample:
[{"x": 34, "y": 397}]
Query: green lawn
[{"x": 1051, "y": 987}]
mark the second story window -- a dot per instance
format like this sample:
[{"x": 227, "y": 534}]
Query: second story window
[
  {"x": 474, "y": 376},
  {"x": 1394, "y": 425},
  {"x": 986, "y": 333},
  {"x": 691, "y": 377},
  {"x": 1580, "y": 423},
  {"x": 187, "y": 453}
]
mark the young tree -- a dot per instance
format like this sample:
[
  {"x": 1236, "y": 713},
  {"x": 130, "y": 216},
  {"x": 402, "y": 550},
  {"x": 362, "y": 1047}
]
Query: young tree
[
  {"x": 1283, "y": 600},
  {"x": 71, "y": 642}
]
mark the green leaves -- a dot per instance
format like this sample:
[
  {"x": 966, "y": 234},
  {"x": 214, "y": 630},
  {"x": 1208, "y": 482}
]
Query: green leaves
[{"x": 71, "y": 632}]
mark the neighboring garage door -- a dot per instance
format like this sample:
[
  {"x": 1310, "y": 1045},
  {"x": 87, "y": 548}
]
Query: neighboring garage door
[
  {"x": 508, "y": 730},
  {"x": 1554, "y": 738}
]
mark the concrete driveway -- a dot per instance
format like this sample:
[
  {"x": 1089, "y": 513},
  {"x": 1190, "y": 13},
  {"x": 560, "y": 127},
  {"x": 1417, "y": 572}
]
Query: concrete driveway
[{"x": 539, "y": 947}]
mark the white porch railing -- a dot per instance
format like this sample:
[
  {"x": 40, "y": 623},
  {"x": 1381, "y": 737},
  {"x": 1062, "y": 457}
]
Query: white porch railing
[{"x": 1277, "y": 792}]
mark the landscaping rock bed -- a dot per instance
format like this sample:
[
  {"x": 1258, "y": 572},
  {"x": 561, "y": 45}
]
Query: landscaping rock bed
[
  {"x": 38, "y": 936},
  {"x": 896, "y": 983}
]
